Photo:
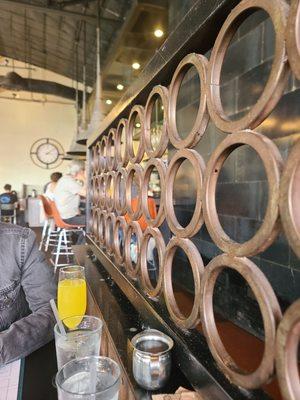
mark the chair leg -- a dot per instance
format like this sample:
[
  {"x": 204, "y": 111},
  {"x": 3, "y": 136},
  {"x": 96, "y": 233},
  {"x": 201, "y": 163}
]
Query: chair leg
[
  {"x": 58, "y": 249},
  {"x": 43, "y": 234}
]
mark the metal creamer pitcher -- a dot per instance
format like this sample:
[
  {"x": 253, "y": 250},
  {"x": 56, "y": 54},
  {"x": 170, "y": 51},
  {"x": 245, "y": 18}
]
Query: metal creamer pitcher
[{"x": 151, "y": 360}]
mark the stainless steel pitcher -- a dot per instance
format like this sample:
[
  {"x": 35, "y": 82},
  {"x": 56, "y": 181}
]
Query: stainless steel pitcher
[{"x": 151, "y": 359}]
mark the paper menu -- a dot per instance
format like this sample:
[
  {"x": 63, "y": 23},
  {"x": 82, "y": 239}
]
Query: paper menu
[{"x": 9, "y": 380}]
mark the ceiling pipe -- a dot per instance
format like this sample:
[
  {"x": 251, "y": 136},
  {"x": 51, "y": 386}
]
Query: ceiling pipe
[{"x": 96, "y": 117}]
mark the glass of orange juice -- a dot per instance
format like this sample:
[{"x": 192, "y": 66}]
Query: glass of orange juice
[{"x": 71, "y": 296}]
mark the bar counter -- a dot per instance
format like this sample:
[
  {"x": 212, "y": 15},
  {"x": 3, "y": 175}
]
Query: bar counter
[{"x": 121, "y": 323}]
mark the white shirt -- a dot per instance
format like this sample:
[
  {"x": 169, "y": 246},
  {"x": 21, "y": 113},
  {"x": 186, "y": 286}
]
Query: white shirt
[{"x": 66, "y": 196}]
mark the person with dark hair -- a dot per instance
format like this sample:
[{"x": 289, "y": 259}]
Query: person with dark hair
[
  {"x": 27, "y": 284},
  {"x": 50, "y": 187},
  {"x": 7, "y": 198}
]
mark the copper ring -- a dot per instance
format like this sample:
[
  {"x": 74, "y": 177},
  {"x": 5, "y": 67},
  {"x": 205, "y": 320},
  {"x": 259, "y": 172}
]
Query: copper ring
[
  {"x": 132, "y": 228},
  {"x": 120, "y": 223},
  {"x": 137, "y": 170},
  {"x": 110, "y": 187},
  {"x": 293, "y": 37},
  {"x": 200, "y": 63},
  {"x": 101, "y": 227},
  {"x": 94, "y": 197},
  {"x": 197, "y": 267},
  {"x": 289, "y": 191},
  {"x": 287, "y": 342},
  {"x": 120, "y": 204},
  {"x": 161, "y": 169},
  {"x": 111, "y": 158},
  {"x": 199, "y": 167},
  {"x": 163, "y": 93},
  {"x": 269, "y": 308},
  {"x": 122, "y": 160},
  {"x": 271, "y": 158},
  {"x": 102, "y": 190},
  {"x": 109, "y": 233},
  {"x": 103, "y": 158},
  {"x": 136, "y": 110},
  {"x": 277, "y": 10},
  {"x": 161, "y": 249},
  {"x": 93, "y": 222}
]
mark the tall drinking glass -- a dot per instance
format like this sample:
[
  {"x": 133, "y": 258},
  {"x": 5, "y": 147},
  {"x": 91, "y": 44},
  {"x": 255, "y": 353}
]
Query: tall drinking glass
[
  {"x": 88, "y": 378},
  {"x": 82, "y": 340},
  {"x": 71, "y": 296}
]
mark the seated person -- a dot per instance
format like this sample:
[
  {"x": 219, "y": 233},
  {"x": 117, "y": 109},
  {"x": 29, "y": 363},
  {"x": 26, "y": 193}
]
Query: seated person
[
  {"x": 26, "y": 287},
  {"x": 67, "y": 195},
  {"x": 8, "y": 197},
  {"x": 49, "y": 188}
]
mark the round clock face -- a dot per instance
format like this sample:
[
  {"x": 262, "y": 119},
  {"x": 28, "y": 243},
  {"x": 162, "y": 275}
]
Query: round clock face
[{"x": 47, "y": 153}]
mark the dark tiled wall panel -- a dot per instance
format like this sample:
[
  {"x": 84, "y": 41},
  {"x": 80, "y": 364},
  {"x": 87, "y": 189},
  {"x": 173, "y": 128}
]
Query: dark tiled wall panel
[{"x": 242, "y": 191}]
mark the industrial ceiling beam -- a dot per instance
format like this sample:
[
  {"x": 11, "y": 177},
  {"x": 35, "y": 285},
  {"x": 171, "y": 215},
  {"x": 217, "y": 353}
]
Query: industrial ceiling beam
[{"x": 50, "y": 10}]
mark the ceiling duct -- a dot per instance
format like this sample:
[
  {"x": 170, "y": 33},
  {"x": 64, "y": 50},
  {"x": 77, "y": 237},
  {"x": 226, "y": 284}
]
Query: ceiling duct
[{"x": 15, "y": 82}]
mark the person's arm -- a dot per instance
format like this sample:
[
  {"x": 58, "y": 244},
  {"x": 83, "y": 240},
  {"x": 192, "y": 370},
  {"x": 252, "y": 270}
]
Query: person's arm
[{"x": 37, "y": 281}]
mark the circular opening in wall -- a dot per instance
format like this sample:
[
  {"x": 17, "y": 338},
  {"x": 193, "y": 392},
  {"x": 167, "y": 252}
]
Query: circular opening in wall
[
  {"x": 185, "y": 193},
  {"x": 238, "y": 320},
  {"x": 183, "y": 282},
  {"x": 188, "y": 101},
  {"x": 242, "y": 194},
  {"x": 157, "y": 120}
]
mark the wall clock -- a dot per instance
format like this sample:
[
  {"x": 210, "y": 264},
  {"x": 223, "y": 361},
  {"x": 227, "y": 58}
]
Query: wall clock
[{"x": 47, "y": 153}]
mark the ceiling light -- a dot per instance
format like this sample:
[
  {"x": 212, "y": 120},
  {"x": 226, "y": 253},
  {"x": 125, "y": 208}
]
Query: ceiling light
[
  {"x": 108, "y": 101},
  {"x": 137, "y": 125},
  {"x": 120, "y": 86},
  {"x": 136, "y": 65},
  {"x": 158, "y": 33}
]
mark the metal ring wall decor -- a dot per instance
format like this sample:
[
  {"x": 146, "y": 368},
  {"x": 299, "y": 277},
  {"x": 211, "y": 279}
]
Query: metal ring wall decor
[
  {"x": 101, "y": 227},
  {"x": 102, "y": 190},
  {"x": 137, "y": 171},
  {"x": 272, "y": 161},
  {"x": 119, "y": 224},
  {"x": 199, "y": 167},
  {"x": 197, "y": 267},
  {"x": 269, "y": 308},
  {"x": 120, "y": 203},
  {"x": 200, "y": 63},
  {"x": 110, "y": 221},
  {"x": 293, "y": 37},
  {"x": 136, "y": 110},
  {"x": 122, "y": 160},
  {"x": 277, "y": 10},
  {"x": 103, "y": 158},
  {"x": 289, "y": 192},
  {"x": 287, "y": 342},
  {"x": 111, "y": 158},
  {"x": 94, "y": 192},
  {"x": 110, "y": 191},
  {"x": 161, "y": 169},
  {"x": 162, "y": 92},
  {"x": 133, "y": 228},
  {"x": 94, "y": 222},
  {"x": 161, "y": 248}
]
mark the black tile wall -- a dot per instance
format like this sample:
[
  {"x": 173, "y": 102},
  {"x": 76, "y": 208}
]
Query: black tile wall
[{"x": 242, "y": 189}]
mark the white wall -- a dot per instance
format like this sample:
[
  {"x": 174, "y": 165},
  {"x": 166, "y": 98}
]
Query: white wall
[{"x": 22, "y": 123}]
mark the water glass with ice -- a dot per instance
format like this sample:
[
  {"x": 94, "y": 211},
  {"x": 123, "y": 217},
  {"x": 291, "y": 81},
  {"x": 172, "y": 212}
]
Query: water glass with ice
[
  {"x": 83, "y": 338},
  {"x": 88, "y": 378}
]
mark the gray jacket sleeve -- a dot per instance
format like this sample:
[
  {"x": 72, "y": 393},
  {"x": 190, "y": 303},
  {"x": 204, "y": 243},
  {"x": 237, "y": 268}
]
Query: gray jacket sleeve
[{"x": 38, "y": 283}]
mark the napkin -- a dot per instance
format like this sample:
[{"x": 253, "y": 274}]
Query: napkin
[{"x": 180, "y": 394}]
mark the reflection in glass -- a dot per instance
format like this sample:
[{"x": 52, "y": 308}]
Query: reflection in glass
[
  {"x": 188, "y": 100},
  {"x": 157, "y": 117}
]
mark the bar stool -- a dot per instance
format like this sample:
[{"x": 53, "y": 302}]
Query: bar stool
[
  {"x": 64, "y": 243},
  {"x": 49, "y": 230},
  {"x": 10, "y": 214}
]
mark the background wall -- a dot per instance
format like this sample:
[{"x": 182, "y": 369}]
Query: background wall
[{"x": 24, "y": 122}]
